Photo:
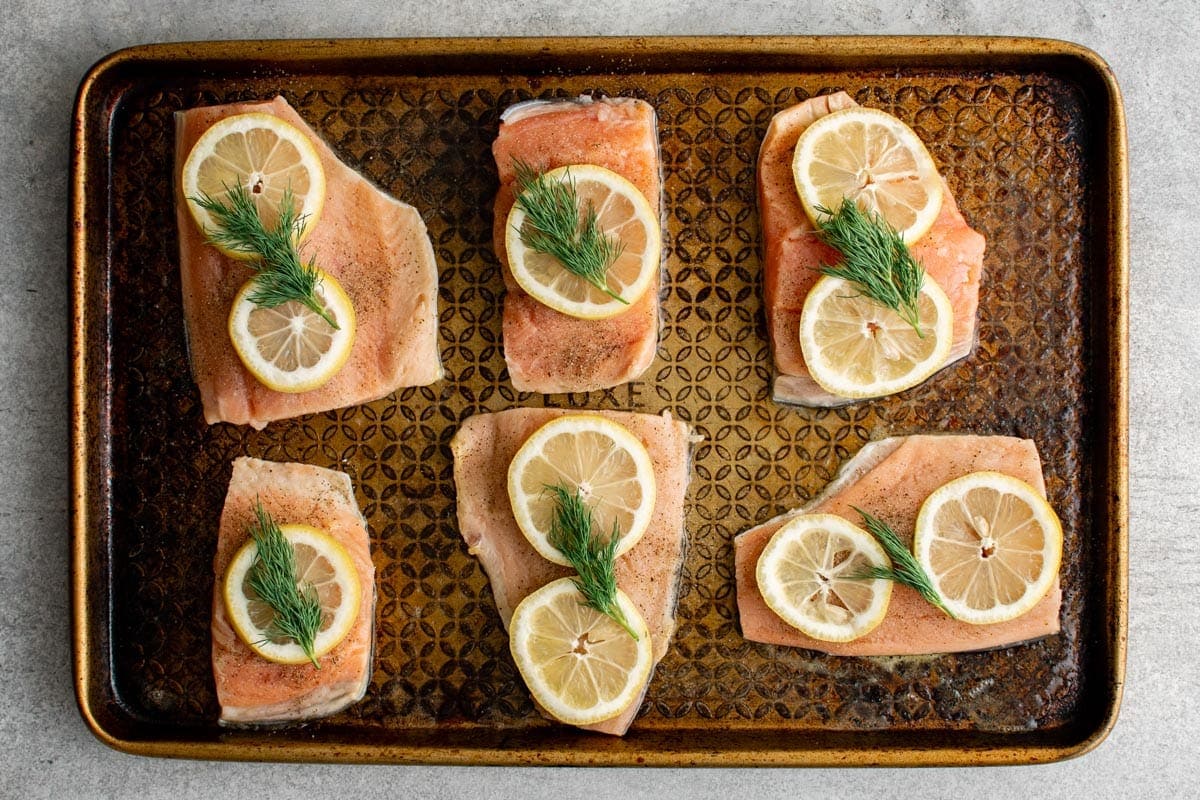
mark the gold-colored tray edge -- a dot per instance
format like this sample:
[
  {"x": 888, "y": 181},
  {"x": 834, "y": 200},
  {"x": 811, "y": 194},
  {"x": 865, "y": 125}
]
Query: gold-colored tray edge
[{"x": 912, "y": 50}]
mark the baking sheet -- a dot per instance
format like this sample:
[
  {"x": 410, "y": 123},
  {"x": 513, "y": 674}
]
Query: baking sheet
[{"x": 1030, "y": 136}]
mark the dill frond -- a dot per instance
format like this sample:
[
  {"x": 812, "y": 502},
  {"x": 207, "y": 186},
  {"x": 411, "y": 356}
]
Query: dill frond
[
  {"x": 552, "y": 226},
  {"x": 905, "y": 568},
  {"x": 273, "y": 578},
  {"x": 875, "y": 259},
  {"x": 281, "y": 274},
  {"x": 592, "y": 557}
]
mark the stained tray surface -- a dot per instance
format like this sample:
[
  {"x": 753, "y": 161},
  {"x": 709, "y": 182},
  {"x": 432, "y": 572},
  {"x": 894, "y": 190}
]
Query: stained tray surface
[{"x": 1021, "y": 153}]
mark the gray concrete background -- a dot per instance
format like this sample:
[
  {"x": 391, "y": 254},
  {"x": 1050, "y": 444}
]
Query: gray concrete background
[{"x": 45, "y": 750}]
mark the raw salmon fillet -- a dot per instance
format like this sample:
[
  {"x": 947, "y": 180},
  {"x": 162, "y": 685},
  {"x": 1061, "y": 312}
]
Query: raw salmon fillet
[
  {"x": 891, "y": 479},
  {"x": 952, "y": 254},
  {"x": 649, "y": 573},
  {"x": 376, "y": 246},
  {"x": 548, "y": 351},
  {"x": 250, "y": 689}
]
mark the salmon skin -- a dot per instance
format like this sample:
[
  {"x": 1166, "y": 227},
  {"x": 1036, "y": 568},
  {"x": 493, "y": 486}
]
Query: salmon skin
[
  {"x": 891, "y": 479},
  {"x": 250, "y": 689},
  {"x": 548, "y": 351},
  {"x": 951, "y": 253},
  {"x": 649, "y": 573},
  {"x": 376, "y": 246}
]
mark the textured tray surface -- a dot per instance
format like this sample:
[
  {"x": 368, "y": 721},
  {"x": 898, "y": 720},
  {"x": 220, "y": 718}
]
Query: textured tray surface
[{"x": 1018, "y": 153}]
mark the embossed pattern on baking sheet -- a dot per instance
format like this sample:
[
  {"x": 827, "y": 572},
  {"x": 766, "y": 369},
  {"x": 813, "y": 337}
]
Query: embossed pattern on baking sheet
[{"x": 1011, "y": 150}]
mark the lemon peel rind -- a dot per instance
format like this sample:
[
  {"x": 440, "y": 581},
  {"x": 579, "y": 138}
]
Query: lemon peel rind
[
  {"x": 543, "y": 695},
  {"x": 782, "y": 606},
  {"x": 327, "y": 639},
  {"x": 927, "y": 169},
  {"x": 924, "y": 534},
  {"x": 314, "y": 202},
  {"x": 532, "y": 447},
  {"x": 262, "y": 370},
  {"x": 651, "y": 259},
  {"x": 829, "y": 381}
]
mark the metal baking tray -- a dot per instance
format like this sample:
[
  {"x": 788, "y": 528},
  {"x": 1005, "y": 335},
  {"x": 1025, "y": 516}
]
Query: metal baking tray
[{"x": 1030, "y": 135}]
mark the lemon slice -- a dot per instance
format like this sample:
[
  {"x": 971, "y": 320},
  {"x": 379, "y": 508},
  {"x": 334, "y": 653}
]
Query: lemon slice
[
  {"x": 264, "y": 155},
  {"x": 855, "y": 347},
  {"x": 290, "y": 348},
  {"x": 991, "y": 544},
  {"x": 806, "y": 576},
  {"x": 875, "y": 160},
  {"x": 320, "y": 561},
  {"x": 579, "y": 664},
  {"x": 595, "y": 456},
  {"x": 622, "y": 212}
]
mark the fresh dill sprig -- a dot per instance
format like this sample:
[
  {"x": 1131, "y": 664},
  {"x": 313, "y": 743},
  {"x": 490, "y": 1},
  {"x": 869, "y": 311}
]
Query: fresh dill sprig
[
  {"x": 273, "y": 578},
  {"x": 875, "y": 258},
  {"x": 282, "y": 275},
  {"x": 592, "y": 557},
  {"x": 552, "y": 226},
  {"x": 905, "y": 568}
]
